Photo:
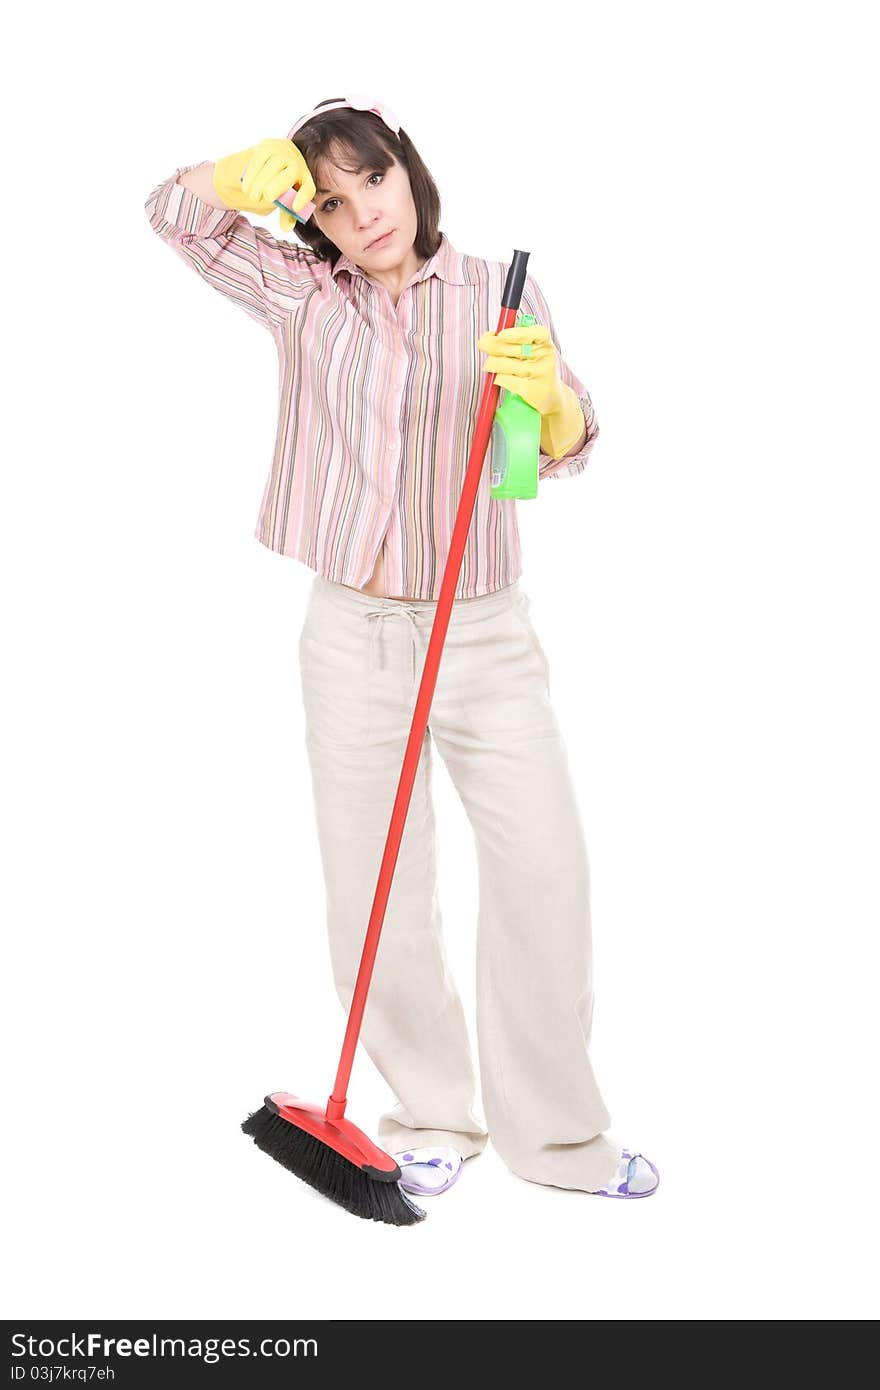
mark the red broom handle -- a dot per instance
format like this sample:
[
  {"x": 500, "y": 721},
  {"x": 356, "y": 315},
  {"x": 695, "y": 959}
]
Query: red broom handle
[{"x": 510, "y": 301}]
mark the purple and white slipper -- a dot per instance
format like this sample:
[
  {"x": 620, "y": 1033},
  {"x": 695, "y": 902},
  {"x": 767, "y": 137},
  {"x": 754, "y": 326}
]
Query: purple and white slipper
[
  {"x": 635, "y": 1176},
  {"x": 428, "y": 1170}
]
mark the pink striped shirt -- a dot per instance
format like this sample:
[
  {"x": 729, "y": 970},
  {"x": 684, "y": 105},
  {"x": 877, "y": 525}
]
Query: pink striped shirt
[{"x": 377, "y": 402}]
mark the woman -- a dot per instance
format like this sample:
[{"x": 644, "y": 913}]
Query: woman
[{"x": 380, "y": 324}]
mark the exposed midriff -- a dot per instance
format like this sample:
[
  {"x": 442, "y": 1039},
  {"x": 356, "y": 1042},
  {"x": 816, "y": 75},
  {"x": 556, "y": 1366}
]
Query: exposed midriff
[{"x": 375, "y": 585}]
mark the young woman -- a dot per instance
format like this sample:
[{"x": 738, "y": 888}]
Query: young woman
[{"x": 380, "y": 325}]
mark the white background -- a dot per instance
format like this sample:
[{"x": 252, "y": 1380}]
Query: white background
[{"x": 695, "y": 184}]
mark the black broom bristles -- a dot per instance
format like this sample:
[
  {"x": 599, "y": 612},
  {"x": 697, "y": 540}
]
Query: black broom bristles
[{"x": 328, "y": 1172}]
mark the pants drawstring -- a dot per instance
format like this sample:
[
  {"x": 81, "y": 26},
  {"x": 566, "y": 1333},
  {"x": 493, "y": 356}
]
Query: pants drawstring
[{"x": 377, "y": 614}]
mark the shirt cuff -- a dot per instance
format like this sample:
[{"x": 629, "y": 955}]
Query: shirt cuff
[{"x": 181, "y": 208}]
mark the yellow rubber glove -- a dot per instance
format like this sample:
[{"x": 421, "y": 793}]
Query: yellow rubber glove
[
  {"x": 534, "y": 375},
  {"x": 562, "y": 430},
  {"x": 252, "y": 179}
]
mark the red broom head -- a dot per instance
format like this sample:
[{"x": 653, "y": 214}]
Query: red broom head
[{"x": 333, "y": 1158}]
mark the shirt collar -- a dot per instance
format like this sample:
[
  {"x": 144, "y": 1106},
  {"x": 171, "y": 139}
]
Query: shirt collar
[{"x": 445, "y": 262}]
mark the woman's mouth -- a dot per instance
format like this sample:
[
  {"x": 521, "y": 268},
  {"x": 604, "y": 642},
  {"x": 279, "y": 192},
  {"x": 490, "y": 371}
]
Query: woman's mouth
[{"x": 382, "y": 240}]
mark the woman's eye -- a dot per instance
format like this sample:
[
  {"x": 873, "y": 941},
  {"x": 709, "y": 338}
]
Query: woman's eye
[{"x": 327, "y": 207}]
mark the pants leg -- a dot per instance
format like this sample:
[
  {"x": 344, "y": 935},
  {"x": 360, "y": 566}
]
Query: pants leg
[
  {"x": 492, "y": 722},
  {"x": 359, "y": 691},
  {"x": 493, "y": 725}
]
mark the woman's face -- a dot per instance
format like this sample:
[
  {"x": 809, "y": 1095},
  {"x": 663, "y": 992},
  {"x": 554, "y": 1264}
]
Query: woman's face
[{"x": 352, "y": 210}]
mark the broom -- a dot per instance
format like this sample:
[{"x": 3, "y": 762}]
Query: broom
[{"x": 315, "y": 1142}]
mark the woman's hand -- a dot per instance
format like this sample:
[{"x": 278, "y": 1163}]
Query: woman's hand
[
  {"x": 252, "y": 179},
  {"x": 536, "y": 378},
  {"x": 533, "y": 375}
]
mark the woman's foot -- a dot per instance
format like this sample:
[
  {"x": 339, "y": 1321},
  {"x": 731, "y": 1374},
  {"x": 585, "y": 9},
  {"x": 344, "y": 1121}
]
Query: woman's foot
[
  {"x": 433, "y": 1169},
  {"x": 429, "y": 1170},
  {"x": 635, "y": 1176}
]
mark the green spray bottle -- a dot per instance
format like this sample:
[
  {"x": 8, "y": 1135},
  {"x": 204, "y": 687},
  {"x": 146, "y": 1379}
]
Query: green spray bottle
[{"x": 516, "y": 442}]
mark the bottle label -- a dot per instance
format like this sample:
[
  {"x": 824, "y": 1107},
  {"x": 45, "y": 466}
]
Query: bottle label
[{"x": 499, "y": 455}]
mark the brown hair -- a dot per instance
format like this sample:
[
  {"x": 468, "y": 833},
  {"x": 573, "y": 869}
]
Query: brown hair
[{"x": 370, "y": 144}]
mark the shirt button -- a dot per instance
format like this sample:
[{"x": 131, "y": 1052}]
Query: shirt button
[{"x": 393, "y": 446}]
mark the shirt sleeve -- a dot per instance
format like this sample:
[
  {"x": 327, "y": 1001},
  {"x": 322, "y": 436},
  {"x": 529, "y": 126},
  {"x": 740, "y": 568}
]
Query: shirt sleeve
[
  {"x": 265, "y": 277},
  {"x": 533, "y": 302}
]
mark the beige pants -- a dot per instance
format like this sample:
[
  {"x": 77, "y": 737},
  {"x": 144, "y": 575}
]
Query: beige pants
[{"x": 491, "y": 720}]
